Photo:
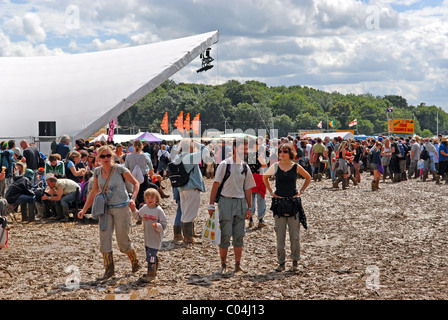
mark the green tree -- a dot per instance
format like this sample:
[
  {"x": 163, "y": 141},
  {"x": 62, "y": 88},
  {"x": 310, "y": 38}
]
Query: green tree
[
  {"x": 290, "y": 104},
  {"x": 283, "y": 124}
]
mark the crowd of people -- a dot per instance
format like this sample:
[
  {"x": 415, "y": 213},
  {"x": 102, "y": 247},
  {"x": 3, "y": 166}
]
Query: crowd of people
[{"x": 64, "y": 184}]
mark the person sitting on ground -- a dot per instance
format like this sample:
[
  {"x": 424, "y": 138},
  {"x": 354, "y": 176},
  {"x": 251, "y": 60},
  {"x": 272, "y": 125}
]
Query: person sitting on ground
[
  {"x": 74, "y": 168},
  {"x": 21, "y": 192},
  {"x": 63, "y": 190}
]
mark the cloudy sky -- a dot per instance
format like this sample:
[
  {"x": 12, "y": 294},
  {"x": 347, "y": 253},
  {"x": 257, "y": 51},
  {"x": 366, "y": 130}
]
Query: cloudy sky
[{"x": 350, "y": 46}]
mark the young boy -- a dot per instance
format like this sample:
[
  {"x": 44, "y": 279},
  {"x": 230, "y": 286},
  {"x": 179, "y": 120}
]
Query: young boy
[{"x": 154, "y": 225}]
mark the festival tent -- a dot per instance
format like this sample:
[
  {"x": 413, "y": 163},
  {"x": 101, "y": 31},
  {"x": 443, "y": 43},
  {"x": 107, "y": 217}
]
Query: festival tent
[
  {"x": 79, "y": 94},
  {"x": 331, "y": 135},
  {"x": 118, "y": 138},
  {"x": 236, "y": 135},
  {"x": 168, "y": 137},
  {"x": 149, "y": 137}
]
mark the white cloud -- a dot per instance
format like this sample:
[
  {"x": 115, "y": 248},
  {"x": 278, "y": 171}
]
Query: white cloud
[
  {"x": 29, "y": 26},
  {"x": 321, "y": 43},
  {"x": 98, "y": 45}
]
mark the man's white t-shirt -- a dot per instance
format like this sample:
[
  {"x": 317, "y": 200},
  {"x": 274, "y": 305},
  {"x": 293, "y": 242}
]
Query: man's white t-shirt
[{"x": 237, "y": 182}]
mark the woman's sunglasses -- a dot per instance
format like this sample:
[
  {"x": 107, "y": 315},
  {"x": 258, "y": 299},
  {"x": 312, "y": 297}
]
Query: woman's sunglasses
[
  {"x": 283, "y": 151},
  {"x": 105, "y": 156}
]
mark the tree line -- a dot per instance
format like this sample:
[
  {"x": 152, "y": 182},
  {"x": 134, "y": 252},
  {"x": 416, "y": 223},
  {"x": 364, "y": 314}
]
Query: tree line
[{"x": 254, "y": 105}]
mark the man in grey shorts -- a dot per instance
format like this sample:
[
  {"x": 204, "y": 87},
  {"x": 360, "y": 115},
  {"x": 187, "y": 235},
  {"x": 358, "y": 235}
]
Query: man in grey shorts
[{"x": 235, "y": 202}]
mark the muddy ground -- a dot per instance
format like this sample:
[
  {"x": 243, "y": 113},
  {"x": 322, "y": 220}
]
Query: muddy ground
[{"x": 360, "y": 245}]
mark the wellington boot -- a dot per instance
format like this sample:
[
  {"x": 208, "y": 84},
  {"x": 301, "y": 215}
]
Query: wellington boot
[
  {"x": 59, "y": 214},
  {"x": 344, "y": 183},
  {"x": 373, "y": 185},
  {"x": 66, "y": 217},
  {"x": 336, "y": 182},
  {"x": 377, "y": 184},
  {"x": 40, "y": 210},
  {"x": 108, "y": 266},
  {"x": 314, "y": 177},
  {"x": 425, "y": 176},
  {"x": 134, "y": 260},
  {"x": 355, "y": 183},
  {"x": 152, "y": 271},
  {"x": 24, "y": 211},
  {"x": 437, "y": 179},
  {"x": 31, "y": 212},
  {"x": 178, "y": 233},
  {"x": 187, "y": 230},
  {"x": 319, "y": 177}
]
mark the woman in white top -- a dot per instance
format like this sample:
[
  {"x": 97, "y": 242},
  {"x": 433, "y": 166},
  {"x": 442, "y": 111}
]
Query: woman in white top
[{"x": 142, "y": 160}]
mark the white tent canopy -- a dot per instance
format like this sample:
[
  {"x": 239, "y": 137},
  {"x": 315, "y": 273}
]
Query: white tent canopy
[
  {"x": 82, "y": 93},
  {"x": 331, "y": 135}
]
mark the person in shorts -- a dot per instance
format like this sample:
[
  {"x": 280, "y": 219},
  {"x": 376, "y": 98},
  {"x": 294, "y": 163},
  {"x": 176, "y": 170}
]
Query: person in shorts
[{"x": 234, "y": 204}]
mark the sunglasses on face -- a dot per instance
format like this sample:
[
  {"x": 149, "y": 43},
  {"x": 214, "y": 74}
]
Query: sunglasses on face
[
  {"x": 283, "y": 151},
  {"x": 105, "y": 156}
]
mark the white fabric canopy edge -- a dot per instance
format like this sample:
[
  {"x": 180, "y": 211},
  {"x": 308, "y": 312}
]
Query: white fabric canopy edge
[{"x": 146, "y": 89}]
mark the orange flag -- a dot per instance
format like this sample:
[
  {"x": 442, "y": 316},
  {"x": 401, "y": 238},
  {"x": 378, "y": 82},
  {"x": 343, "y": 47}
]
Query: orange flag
[
  {"x": 164, "y": 124},
  {"x": 196, "y": 121},
  {"x": 180, "y": 122},
  {"x": 187, "y": 124}
]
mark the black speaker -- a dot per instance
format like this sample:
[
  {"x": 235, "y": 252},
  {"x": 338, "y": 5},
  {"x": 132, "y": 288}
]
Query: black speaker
[{"x": 47, "y": 128}]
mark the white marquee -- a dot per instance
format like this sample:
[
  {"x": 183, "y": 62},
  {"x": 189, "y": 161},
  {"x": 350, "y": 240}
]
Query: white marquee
[{"x": 84, "y": 92}]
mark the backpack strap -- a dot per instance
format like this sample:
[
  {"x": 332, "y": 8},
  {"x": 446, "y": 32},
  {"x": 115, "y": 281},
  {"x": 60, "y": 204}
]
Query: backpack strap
[{"x": 224, "y": 179}]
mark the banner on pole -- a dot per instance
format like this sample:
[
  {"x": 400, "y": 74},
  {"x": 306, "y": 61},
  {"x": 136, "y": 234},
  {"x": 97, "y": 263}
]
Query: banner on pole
[{"x": 401, "y": 126}]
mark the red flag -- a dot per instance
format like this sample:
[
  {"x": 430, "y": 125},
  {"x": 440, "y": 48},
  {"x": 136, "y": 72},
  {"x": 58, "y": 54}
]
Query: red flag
[
  {"x": 353, "y": 123},
  {"x": 187, "y": 124},
  {"x": 196, "y": 122},
  {"x": 164, "y": 124},
  {"x": 180, "y": 122}
]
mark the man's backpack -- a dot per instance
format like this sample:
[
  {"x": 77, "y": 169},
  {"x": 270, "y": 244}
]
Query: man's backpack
[
  {"x": 299, "y": 151},
  {"x": 6, "y": 160},
  {"x": 401, "y": 150},
  {"x": 424, "y": 155},
  {"x": 177, "y": 174}
]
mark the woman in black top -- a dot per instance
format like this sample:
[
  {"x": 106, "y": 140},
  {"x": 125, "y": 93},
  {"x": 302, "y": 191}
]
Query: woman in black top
[{"x": 286, "y": 202}]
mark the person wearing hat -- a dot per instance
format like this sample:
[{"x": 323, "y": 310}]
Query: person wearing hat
[{"x": 21, "y": 192}]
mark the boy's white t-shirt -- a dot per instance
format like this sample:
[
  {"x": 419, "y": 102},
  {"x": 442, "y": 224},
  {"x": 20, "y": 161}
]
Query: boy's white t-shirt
[{"x": 237, "y": 182}]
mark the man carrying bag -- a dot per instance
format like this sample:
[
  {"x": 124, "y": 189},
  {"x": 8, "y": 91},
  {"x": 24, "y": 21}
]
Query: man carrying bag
[{"x": 235, "y": 202}]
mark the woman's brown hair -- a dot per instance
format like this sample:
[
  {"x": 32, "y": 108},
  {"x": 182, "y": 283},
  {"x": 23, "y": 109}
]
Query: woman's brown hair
[{"x": 290, "y": 147}]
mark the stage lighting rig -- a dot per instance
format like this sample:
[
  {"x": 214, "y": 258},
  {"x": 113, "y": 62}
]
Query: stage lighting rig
[{"x": 206, "y": 61}]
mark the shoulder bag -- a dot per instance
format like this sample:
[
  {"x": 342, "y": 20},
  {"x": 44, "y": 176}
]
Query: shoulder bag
[{"x": 99, "y": 206}]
